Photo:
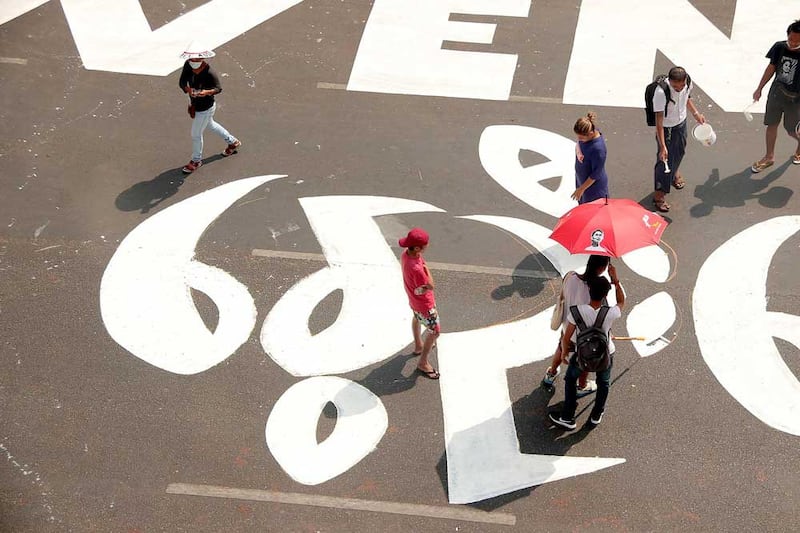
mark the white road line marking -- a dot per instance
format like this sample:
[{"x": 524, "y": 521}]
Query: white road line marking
[
  {"x": 430, "y": 511},
  {"x": 521, "y": 273},
  {"x": 512, "y": 98},
  {"x": 14, "y": 60},
  {"x": 535, "y": 99},
  {"x": 326, "y": 85}
]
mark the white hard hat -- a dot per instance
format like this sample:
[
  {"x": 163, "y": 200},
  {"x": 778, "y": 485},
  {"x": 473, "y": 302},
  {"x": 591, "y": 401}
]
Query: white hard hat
[{"x": 197, "y": 50}]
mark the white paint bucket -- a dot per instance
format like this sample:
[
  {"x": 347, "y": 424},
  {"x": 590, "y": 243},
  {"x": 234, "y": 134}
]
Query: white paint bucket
[
  {"x": 748, "y": 116},
  {"x": 705, "y": 134}
]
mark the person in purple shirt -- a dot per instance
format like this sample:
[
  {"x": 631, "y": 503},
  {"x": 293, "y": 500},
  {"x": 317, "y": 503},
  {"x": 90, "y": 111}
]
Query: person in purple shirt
[{"x": 591, "y": 181}]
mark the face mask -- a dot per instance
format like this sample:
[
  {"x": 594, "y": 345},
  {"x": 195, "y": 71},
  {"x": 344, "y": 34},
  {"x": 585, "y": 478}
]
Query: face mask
[
  {"x": 195, "y": 64},
  {"x": 793, "y": 48}
]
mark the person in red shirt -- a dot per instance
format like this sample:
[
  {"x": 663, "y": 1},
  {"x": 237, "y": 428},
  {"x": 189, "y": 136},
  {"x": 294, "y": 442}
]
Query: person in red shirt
[{"x": 419, "y": 287}]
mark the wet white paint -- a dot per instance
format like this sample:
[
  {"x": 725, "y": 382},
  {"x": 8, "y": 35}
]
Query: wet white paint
[
  {"x": 650, "y": 262},
  {"x": 735, "y": 331},
  {"x": 115, "y": 36},
  {"x": 373, "y": 323},
  {"x": 145, "y": 296},
  {"x": 618, "y": 40},
  {"x": 499, "y": 149},
  {"x": 291, "y": 430},
  {"x": 651, "y": 319},
  {"x": 401, "y": 49}
]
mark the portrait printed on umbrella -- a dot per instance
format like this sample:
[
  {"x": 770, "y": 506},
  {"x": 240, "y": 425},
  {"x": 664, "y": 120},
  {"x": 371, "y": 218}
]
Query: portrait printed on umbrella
[{"x": 597, "y": 238}]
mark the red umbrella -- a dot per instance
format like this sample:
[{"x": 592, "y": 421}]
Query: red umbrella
[{"x": 608, "y": 227}]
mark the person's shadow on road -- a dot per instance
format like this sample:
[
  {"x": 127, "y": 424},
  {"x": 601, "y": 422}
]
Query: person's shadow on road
[
  {"x": 736, "y": 190},
  {"x": 146, "y": 195}
]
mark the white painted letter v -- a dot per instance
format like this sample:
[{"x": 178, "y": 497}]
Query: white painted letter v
[{"x": 116, "y": 37}]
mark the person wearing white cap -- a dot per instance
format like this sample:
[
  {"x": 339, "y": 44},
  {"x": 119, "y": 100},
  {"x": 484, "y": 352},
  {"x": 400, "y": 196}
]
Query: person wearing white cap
[{"x": 201, "y": 84}]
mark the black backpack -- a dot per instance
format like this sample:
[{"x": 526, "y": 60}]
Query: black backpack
[
  {"x": 591, "y": 344},
  {"x": 660, "y": 81}
]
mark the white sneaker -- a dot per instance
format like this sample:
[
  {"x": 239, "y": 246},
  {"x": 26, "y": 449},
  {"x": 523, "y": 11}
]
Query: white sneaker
[
  {"x": 591, "y": 386},
  {"x": 596, "y": 421}
]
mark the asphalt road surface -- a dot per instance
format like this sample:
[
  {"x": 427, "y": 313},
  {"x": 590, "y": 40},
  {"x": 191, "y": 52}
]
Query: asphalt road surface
[{"x": 138, "y": 382}]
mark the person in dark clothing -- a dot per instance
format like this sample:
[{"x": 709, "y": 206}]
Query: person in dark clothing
[
  {"x": 591, "y": 180},
  {"x": 784, "y": 96},
  {"x": 201, "y": 84}
]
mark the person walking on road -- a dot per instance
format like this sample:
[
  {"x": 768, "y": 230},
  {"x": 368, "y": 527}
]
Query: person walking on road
[
  {"x": 670, "y": 113},
  {"x": 202, "y": 84},
  {"x": 598, "y": 290},
  {"x": 591, "y": 181},
  {"x": 575, "y": 291},
  {"x": 784, "y": 95},
  {"x": 419, "y": 287}
]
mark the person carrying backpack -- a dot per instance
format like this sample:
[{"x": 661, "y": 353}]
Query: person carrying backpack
[
  {"x": 590, "y": 347},
  {"x": 666, "y": 101}
]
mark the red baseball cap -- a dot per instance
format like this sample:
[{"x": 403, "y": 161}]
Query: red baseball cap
[{"x": 415, "y": 237}]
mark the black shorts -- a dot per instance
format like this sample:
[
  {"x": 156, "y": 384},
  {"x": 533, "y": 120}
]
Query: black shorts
[{"x": 780, "y": 103}]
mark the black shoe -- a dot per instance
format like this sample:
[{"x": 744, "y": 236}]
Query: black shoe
[{"x": 555, "y": 417}]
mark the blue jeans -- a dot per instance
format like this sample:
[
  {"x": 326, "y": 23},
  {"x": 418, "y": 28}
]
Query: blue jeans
[
  {"x": 201, "y": 121},
  {"x": 571, "y": 389},
  {"x": 675, "y": 139}
]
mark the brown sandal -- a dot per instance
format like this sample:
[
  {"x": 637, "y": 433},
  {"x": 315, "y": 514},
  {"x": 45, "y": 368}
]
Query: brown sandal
[
  {"x": 678, "y": 183},
  {"x": 661, "y": 205}
]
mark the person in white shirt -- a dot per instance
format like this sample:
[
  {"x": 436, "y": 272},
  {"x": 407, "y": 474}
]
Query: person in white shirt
[
  {"x": 599, "y": 288},
  {"x": 575, "y": 291},
  {"x": 671, "y": 133}
]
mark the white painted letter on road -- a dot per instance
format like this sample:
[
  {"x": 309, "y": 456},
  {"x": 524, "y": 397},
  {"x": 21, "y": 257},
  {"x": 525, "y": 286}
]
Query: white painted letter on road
[
  {"x": 617, "y": 40},
  {"x": 115, "y": 36},
  {"x": 291, "y": 431},
  {"x": 401, "y": 50},
  {"x": 145, "y": 296},
  {"x": 735, "y": 331}
]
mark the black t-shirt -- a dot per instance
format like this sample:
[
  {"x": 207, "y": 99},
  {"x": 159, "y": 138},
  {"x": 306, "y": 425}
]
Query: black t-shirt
[
  {"x": 787, "y": 66},
  {"x": 205, "y": 79}
]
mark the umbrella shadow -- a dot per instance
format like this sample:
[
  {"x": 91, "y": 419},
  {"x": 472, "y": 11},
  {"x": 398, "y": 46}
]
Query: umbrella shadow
[
  {"x": 737, "y": 189},
  {"x": 528, "y": 279}
]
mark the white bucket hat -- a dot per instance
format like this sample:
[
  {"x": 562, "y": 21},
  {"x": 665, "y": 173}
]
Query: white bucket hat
[{"x": 196, "y": 50}]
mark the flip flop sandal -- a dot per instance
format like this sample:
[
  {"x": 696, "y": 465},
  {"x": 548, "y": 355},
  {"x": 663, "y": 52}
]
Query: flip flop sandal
[
  {"x": 662, "y": 206},
  {"x": 430, "y": 374},
  {"x": 796, "y": 159},
  {"x": 758, "y": 166},
  {"x": 678, "y": 183}
]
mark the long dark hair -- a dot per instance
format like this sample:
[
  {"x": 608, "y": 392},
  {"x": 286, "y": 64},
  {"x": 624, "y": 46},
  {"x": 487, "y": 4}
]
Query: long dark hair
[{"x": 595, "y": 266}]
